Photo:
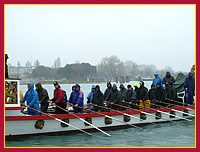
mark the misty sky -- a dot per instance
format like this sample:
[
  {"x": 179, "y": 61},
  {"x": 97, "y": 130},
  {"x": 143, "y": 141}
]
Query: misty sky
[{"x": 163, "y": 35}]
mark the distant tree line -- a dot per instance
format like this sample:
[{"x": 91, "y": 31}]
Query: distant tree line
[
  {"x": 109, "y": 69},
  {"x": 71, "y": 73}
]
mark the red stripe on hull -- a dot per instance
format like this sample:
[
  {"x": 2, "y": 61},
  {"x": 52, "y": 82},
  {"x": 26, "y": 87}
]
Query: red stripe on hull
[
  {"x": 85, "y": 115},
  {"x": 13, "y": 108}
]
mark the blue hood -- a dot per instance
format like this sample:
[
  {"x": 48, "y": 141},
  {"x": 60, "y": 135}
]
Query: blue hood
[
  {"x": 93, "y": 87},
  {"x": 77, "y": 85},
  {"x": 31, "y": 85},
  {"x": 156, "y": 73}
]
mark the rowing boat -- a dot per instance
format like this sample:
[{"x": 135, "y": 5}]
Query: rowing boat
[{"x": 18, "y": 124}]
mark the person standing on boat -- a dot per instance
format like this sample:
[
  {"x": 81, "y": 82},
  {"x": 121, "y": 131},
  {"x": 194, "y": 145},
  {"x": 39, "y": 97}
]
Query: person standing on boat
[
  {"x": 77, "y": 100},
  {"x": 189, "y": 85},
  {"x": 151, "y": 95},
  {"x": 71, "y": 94},
  {"x": 142, "y": 93},
  {"x": 157, "y": 79},
  {"x": 6, "y": 66},
  {"x": 59, "y": 99},
  {"x": 113, "y": 97},
  {"x": 130, "y": 97},
  {"x": 43, "y": 97},
  {"x": 90, "y": 98},
  {"x": 122, "y": 95},
  {"x": 122, "y": 91},
  {"x": 136, "y": 86},
  {"x": 108, "y": 90},
  {"x": 170, "y": 91},
  {"x": 159, "y": 94},
  {"x": 32, "y": 99},
  {"x": 98, "y": 99},
  {"x": 168, "y": 79}
]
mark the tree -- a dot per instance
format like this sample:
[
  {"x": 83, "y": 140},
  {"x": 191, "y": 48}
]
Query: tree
[
  {"x": 57, "y": 63},
  {"x": 78, "y": 72},
  {"x": 146, "y": 71},
  {"x": 43, "y": 72},
  {"x": 110, "y": 67},
  {"x": 36, "y": 63},
  {"x": 131, "y": 69},
  {"x": 18, "y": 64},
  {"x": 28, "y": 64}
]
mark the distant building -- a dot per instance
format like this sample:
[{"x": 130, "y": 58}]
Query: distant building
[{"x": 20, "y": 72}]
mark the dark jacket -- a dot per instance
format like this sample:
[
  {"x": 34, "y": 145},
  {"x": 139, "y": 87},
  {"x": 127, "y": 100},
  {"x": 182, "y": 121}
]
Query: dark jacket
[
  {"x": 123, "y": 93},
  {"x": 98, "y": 99},
  {"x": 130, "y": 95},
  {"x": 160, "y": 94},
  {"x": 107, "y": 91},
  {"x": 113, "y": 96},
  {"x": 42, "y": 93},
  {"x": 136, "y": 92},
  {"x": 190, "y": 84},
  {"x": 151, "y": 94},
  {"x": 143, "y": 93},
  {"x": 171, "y": 93},
  {"x": 43, "y": 97},
  {"x": 168, "y": 79}
]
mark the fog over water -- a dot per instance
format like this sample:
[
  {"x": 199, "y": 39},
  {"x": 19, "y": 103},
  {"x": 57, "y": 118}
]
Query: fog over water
[{"x": 162, "y": 35}]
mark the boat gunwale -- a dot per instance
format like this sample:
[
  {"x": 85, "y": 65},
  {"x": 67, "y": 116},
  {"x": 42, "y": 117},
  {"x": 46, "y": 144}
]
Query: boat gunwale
[{"x": 86, "y": 115}]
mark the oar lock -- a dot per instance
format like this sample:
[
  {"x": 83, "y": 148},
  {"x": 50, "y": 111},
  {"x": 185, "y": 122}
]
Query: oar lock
[{"x": 39, "y": 124}]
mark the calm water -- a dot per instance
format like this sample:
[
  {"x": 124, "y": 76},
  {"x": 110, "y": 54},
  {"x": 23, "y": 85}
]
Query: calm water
[{"x": 180, "y": 133}]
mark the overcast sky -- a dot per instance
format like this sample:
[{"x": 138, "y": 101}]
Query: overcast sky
[{"x": 162, "y": 35}]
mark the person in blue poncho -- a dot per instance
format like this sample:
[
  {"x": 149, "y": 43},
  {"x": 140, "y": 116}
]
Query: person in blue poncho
[
  {"x": 90, "y": 97},
  {"x": 189, "y": 86},
  {"x": 32, "y": 99},
  {"x": 77, "y": 99},
  {"x": 157, "y": 79}
]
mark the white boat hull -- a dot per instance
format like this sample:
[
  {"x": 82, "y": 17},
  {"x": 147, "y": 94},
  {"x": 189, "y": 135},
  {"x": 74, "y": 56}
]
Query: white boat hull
[{"x": 25, "y": 125}]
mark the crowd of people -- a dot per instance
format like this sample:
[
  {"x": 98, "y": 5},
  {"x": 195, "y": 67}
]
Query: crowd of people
[{"x": 160, "y": 94}]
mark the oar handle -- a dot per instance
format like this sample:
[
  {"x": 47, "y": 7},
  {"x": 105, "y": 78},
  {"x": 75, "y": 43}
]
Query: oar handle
[
  {"x": 84, "y": 121},
  {"x": 59, "y": 120},
  {"x": 148, "y": 113},
  {"x": 174, "y": 115}
]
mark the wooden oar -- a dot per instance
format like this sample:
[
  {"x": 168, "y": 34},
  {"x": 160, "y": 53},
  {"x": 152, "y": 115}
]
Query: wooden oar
[
  {"x": 172, "y": 108},
  {"x": 83, "y": 120},
  {"x": 148, "y": 113},
  {"x": 59, "y": 120},
  {"x": 183, "y": 112},
  {"x": 179, "y": 103},
  {"x": 174, "y": 115},
  {"x": 171, "y": 114},
  {"x": 126, "y": 113},
  {"x": 110, "y": 117}
]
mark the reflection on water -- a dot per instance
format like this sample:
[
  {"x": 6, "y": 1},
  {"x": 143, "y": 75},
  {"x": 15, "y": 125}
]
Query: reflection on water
[{"x": 180, "y": 133}]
